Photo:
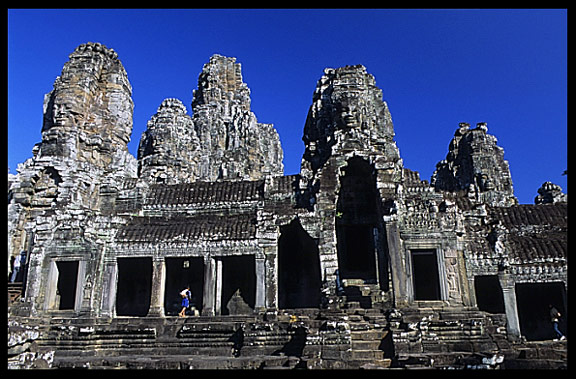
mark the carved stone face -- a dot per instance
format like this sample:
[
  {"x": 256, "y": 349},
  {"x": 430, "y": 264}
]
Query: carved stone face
[
  {"x": 348, "y": 115},
  {"x": 61, "y": 115}
]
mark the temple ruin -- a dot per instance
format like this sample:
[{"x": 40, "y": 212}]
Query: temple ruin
[{"x": 355, "y": 262}]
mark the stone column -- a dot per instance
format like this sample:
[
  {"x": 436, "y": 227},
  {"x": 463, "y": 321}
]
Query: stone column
[
  {"x": 510, "y": 306},
  {"x": 397, "y": 268},
  {"x": 209, "y": 287},
  {"x": 109, "y": 286},
  {"x": 35, "y": 276},
  {"x": 158, "y": 284},
  {"x": 51, "y": 284},
  {"x": 271, "y": 280},
  {"x": 218, "y": 287},
  {"x": 80, "y": 305},
  {"x": 260, "y": 283}
]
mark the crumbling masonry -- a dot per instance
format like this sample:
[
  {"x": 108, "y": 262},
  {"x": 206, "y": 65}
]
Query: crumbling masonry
[{"x": 355, "y": 262}]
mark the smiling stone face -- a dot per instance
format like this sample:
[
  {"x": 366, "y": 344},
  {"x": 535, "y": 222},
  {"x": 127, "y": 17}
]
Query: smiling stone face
[
  {"x": 348, "y": 115},
  {"x": 347, "y": 112}
]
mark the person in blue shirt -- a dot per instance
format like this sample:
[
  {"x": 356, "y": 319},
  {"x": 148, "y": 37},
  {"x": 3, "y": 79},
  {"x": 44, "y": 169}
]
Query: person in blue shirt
[{"x": 185, "y": 293}]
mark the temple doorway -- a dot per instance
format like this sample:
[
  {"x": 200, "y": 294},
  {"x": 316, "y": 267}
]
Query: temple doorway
[
  {"x": 533, "y": 300},
  {"x": 66, "y": 285},
  {"x": 299, "y": 279},
  {"x": 134, "y": 286},
  {"x": 357, "y": 221},
  {"x": 181, "y": 272},
  {"x": 425, "y": 278},
  {"x": 238, "y": 285},
  {"x": 488, "y": 292}
]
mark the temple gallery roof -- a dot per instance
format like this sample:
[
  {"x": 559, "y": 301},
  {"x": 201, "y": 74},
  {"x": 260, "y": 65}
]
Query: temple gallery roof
[
  {"x": 550, "y": 215},
  {"x": 205, "y": 192},
  {"x": 536, "y": 233},
  {"x": 207, "y": 227}
]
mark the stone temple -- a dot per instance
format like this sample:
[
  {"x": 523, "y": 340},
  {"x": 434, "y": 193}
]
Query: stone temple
[{"x": 355, "y": 262}]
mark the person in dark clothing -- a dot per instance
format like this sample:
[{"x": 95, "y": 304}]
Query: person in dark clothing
[
  {"x": 18, "y": 267},
  {"x": 555, "y": 318}
]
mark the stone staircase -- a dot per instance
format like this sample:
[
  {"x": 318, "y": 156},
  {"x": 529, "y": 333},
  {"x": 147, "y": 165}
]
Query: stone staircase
[
  {"x": 358, "y": 294},
  {"x": 14, "y": 291},
  {"x": 361, "y": 309},
  {"x": 129, "y": 342},
  {"x": 235, "y": 342},
  {"x": 537, "y": 355},
  {"x": 367, "y": 343},
  {"x": 351, "y": 335},
  {"x": 441, "y": 336}
]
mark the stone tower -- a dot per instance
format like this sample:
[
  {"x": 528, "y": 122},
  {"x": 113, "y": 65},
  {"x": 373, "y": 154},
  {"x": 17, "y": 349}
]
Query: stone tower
[
  {"x": 86, "y": 128},
  {"x": 349, "y": 118},
  {"x": 221, "y": 140},
  {"x": 347, "y": 114},
  {"x": 475, "y": 164},
  {"x": 234, "y": 144},
  {"x": 57, "y": 193},
  {"x": 169, "y": 150},
  {"x": 350, "y": 167},
  {"x": 550, "y": 193},
  {"x": 88, "y": 114}
]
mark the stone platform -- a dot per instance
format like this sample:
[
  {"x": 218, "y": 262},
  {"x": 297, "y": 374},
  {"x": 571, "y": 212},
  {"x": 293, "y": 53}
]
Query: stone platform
[{"x": 352, "y": 338}]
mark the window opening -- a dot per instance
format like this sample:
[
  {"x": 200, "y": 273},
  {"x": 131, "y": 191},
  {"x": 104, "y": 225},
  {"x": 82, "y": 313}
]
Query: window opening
[{"x": 238, "y": 294}]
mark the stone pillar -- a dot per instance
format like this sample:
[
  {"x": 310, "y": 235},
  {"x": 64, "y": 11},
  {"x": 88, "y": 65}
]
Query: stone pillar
[
  {"x": 510, "y": 306},
  {"x": 51, "y": 285},
  {"x": 471, "y": 292},
  {"x": 260, "y": 283},
  {"x": 271, "y": 280},
  {"x": 397, "y": 268},
  {"x": 209, "y": 287},
  {"x": 109, "y": 286},
  {"x": 35, "y": 276},
  {"x": 158, "y": 285},
  {"x": 81, "y": 306},
  {"x": 218, "y": 287}
]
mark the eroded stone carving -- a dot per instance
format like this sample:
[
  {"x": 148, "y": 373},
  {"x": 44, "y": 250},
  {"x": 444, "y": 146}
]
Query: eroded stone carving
[
  {"x": 475, "y": 164},
  {"x": 550, "y": 193}
]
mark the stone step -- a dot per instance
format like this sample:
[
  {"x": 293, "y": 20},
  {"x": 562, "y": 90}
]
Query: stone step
[
  {"x": 14, "y": 291},
  {"x": 368, "y": 334},
  {"x": 365, "y": 345},
  {"x": 534, "y": 364},
  {"x": 366, "y": 354},
  {"x": 177, "y": 361},
  {"x": 205, "y": 335},
  {"x": 377, "y": 364}
]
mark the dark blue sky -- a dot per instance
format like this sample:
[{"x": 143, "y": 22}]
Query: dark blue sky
[{"x": 436, "y": 68}]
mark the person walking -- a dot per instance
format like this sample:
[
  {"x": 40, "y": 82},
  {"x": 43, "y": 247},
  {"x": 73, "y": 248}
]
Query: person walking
[
  {"x": 16, "y": 266},
  {"x": 185, "y": 294},
  {"x": 555, "y": 318},
  {"x": 185, "y": 303}
]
